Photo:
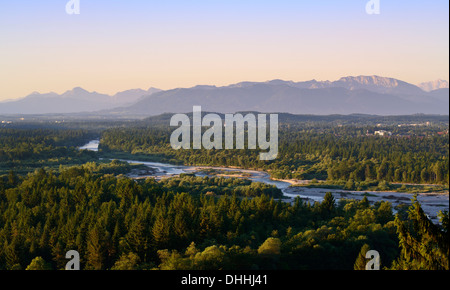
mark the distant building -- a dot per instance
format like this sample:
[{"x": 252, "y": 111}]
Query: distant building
[
  {"x": 426, "y": 124},
  {"x": 383, "y": 133}
]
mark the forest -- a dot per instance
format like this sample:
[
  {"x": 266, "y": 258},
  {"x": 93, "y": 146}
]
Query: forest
[
  {"x": 333, "y": 154},
  {"x": 24, "y": 150},
  {"x": 118, "y": 223},
  {"x": 55, "y": 198}
]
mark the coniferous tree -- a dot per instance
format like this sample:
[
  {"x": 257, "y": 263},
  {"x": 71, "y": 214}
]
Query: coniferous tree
[
  {"x": 96, "y": 249},
  {"x": 424, "y": 246},
  {"x": 361, "y": 261},
  {"x": 328, "y": 205},
  {"x": 38, "y": 263}
]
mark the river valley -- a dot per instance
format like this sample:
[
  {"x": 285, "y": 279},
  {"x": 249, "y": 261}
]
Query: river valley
[{"x": 431, "y": 203}]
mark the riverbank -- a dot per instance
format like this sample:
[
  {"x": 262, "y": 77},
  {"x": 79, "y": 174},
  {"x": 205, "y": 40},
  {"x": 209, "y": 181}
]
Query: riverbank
[
  {"x": 432, "y": 202},
  {"x": 372, "y": 186},
  {"x": 293, "y": 181}
]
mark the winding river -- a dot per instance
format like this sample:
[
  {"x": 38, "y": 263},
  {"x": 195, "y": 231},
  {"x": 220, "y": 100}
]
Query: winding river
[{"x": 431, "y": 203}]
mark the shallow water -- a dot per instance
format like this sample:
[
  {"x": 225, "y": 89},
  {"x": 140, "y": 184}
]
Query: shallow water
[
  {"x": 91, "y": 146},
  {"x": 431, "y": 203}
]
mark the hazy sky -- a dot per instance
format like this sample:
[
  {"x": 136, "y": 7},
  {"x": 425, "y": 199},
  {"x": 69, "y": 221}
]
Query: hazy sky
[{"x": 122, "y": 44}]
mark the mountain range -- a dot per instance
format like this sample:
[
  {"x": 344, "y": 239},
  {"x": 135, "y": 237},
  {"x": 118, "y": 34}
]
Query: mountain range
[
  {"x": 72, "y": 101},
  {"x": 349, "y": 95},
  {"x": 435, "y": 85}
]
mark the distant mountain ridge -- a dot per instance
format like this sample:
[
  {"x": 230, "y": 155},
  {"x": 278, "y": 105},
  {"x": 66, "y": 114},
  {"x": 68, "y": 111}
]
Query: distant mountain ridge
[
  {"x": 374, "y": 95},
  {"x": 348, "y": 95},
  {"x": 434, "y": 85},
  {"x": 72, "y": 101},
  {"x": 372, "y": 83}
]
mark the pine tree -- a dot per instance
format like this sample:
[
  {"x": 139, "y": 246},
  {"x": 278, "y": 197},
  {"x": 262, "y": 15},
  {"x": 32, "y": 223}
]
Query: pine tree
[
  {"x": 137, "y": 240},
  {"x": 328, "y": 206},
  {"x": 361, "y": 261},
  {"x": 96, "y": 249},
  {"x": 424, "y": 246},
  {"x": 161, "y": 232},
  {"x": 127, "y": 262},
  {"x": 39, "y": 263}
]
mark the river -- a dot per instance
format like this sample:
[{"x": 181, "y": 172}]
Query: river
[
  {"x": 431, "y": 203},
  {"x": 91, "y": 146}
]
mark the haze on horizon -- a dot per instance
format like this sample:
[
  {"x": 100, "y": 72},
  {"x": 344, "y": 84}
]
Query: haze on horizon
[{"x": 113, "y": 46}]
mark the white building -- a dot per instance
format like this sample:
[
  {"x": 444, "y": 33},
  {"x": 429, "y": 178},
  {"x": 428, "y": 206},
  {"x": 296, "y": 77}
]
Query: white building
[{"x": 383, "y": 133}]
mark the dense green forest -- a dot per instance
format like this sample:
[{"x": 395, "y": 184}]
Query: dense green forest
[
  {"x": 118, "y": 223},
  {"x": 332, "y": 148},
  {"x": 24, "y": 150},
  {"x": 55, "y": 198},
  {"x": 334, "y": 154}
]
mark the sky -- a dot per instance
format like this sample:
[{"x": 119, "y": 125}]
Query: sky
[{"x": 116, "y": 45}]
